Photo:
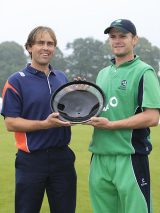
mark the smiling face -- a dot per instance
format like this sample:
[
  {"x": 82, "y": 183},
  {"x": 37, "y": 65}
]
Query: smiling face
[
  {"x": 42, "y": 51},
  {"x": 122, "y": 44}
]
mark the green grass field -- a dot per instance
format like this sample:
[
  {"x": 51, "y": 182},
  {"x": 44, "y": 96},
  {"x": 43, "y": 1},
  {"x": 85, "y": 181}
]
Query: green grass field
[{"x": 80, "y": 139}]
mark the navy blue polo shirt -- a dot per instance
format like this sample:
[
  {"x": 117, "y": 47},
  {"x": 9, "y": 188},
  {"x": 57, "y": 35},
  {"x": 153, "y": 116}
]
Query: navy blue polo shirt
[{"x": 27, "y": 94}]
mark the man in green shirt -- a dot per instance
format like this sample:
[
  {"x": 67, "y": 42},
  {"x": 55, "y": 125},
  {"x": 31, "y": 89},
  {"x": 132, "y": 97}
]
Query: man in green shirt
[{"x": 119, "y": 180}]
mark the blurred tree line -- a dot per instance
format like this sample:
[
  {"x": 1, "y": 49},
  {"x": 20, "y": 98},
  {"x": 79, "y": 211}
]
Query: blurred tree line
[{"x": 85, "y": 57}]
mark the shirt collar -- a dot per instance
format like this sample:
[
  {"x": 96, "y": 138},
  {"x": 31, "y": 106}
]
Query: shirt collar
[
  {"x": 113, "y": 61},
  {"x": 35, "y": 71}
]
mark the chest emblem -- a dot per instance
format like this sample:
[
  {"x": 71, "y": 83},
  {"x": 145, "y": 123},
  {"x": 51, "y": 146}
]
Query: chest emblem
[{"x": 123, "y": 85}]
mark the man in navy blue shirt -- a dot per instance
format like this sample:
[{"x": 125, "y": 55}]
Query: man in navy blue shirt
[{"x": 44, "y": 162}]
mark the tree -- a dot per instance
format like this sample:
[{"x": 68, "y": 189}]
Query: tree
[
  {"x": 12, "y": 59},
  {"x": 87, "y": 57},
  {"x": 148, "y": 53},
  {"x": 59, "y": 61}
]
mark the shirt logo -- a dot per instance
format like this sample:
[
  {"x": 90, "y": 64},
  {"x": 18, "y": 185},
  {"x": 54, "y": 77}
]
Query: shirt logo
[
  {"x": 143, "y": 182},
  {"x": 123, "y": 85},
  {"x": 22, "y": 74}
]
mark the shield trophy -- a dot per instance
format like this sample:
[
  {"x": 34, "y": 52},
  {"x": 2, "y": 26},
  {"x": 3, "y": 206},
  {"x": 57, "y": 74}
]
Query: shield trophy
[{"x": 78, "y": 101}]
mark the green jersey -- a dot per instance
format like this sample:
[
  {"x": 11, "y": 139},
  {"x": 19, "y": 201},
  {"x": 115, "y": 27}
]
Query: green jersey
[{"x": 129, "y": 89}]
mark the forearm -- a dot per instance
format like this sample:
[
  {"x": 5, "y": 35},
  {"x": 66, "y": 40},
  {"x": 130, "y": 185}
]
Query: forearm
[
  {"x": 148, "y": 118},
  {"x": 138, "y": 121},
  {"x": 24, "y": 125}
]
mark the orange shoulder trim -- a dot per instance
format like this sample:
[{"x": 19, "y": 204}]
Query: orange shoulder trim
[{"x": 8, "y": 86}]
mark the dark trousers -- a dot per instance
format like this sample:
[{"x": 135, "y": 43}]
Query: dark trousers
[{"x": 50, "y": 170}]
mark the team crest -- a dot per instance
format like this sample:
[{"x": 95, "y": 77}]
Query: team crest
[{"x": 123, "y": 84}]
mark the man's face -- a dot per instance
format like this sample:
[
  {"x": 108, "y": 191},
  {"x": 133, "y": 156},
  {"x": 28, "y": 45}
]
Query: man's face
[
  {"x": 42, "y": 50},
  {"x": 122, "y": 44}
]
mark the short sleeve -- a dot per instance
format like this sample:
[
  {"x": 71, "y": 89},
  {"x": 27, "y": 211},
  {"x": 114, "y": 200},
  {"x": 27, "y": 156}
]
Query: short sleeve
[
  {"x": 151, "y": 90},
  {"x": 12, "y": 104}
]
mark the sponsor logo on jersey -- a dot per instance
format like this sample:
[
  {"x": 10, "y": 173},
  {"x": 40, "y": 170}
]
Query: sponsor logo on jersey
[{"x": 113, "y": 102}]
